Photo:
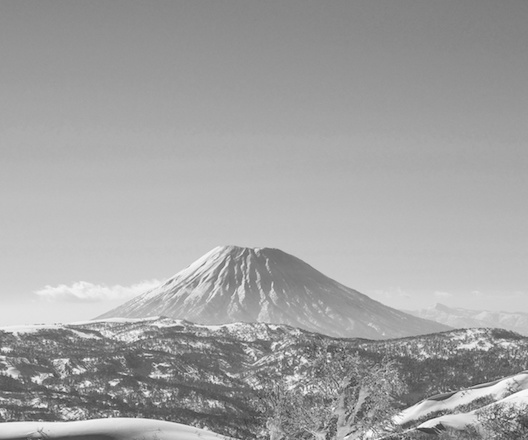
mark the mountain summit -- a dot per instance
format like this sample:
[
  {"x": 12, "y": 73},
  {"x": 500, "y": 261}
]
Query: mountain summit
[{"x": 231, "y": 284}]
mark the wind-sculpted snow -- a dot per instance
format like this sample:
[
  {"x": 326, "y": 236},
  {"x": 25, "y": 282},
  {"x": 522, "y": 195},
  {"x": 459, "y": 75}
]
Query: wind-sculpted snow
[
  {"x": 480, "y": 409},
  {"x": 235, "y": 284},
  {"x": 477, "y": 418},
  {"x": 105, "y": 429},
  {"x": 495, "y": 391}
]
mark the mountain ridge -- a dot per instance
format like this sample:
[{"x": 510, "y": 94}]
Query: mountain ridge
[
  {"x": 239, "y": 284},
  {"x": 464, "y": 318}
]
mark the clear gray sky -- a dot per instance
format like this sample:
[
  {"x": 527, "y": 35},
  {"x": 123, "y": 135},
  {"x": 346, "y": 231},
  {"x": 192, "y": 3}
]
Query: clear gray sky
[{"x": 383, "y": 142}]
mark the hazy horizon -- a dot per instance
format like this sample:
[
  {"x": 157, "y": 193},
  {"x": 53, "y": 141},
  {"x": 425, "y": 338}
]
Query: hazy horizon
[{"x": 383, "y": 143}]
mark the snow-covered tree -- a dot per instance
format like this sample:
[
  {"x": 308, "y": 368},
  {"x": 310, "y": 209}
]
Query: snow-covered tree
[
  {"x": 504, "y": 422},
  {"x": 341, "y": 396}
]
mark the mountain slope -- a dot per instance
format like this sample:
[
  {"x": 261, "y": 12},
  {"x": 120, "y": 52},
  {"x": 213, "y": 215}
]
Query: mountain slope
[
  {"x": 449, "y": 402},
  {"x": 491, "y": 410},
  {"x": 465, "y": 318},
  {"x": 503, "y": 418},
  {"x": 236, "y": 284}
]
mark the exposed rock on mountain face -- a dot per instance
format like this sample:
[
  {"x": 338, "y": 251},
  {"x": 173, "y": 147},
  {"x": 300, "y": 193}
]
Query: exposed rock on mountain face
[
  {"x": 465, "y": 318},
  {"x": 236, "y": 284}
]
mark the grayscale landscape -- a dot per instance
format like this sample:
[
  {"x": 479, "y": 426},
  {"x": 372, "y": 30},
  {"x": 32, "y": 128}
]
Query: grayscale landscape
[{"x": 263, "y": 220}]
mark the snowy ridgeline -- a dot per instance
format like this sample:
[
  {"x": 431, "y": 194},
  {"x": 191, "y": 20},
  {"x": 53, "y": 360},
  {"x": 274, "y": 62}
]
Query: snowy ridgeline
[
  {"x": 471, "y": 408},
  {"x": 466, "y": 318},
  {"x": 105, "y": 429}
]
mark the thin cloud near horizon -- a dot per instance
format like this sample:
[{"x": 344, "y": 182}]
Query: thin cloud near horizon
[{"x": 83, "y": 291}]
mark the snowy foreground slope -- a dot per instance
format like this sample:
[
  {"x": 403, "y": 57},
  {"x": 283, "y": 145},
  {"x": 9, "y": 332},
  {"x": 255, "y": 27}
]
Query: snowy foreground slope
[
  {"x": 105, "y": 429},
  {"x": 237, "y": 284},
  {"x": 466, "y": 407},
  {"x": 496, "y": 390},
  {"x": 462, "y": 421}
]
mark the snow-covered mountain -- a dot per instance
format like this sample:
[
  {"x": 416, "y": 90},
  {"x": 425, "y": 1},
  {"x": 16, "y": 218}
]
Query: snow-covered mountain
[
  {"x": 465, "y": 318},
  {"x": 237, "y": 284}
]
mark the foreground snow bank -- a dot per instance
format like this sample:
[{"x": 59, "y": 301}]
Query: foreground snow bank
[
  {"x": 460, "y": 422},
  {"x": 496, "y": 390},
  {"x": 105, "y": 429}
]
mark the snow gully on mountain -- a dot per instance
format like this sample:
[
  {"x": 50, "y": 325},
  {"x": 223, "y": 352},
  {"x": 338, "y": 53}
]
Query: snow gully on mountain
[{"x": 238, "y": 284}]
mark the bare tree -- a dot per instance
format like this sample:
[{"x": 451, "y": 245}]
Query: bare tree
[
  {"x": 504, "y": 422},
  {"x": 341, "y": 395}
]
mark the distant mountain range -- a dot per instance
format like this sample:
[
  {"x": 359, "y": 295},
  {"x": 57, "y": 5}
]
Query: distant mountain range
[
  {"x": 237, "y": 284},
  {"x": 465, "y": 318}
]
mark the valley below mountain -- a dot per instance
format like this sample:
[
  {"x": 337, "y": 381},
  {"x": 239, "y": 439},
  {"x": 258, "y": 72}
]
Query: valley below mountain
[{"x": 211, "y": 376}]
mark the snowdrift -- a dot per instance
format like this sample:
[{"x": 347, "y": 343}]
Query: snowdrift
[
  {"x": 496, "y": 390},
  {"x": 468, "y": 407},
  {"x": 460, "y": 422},
  {"x": 105, "y": 429}
]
